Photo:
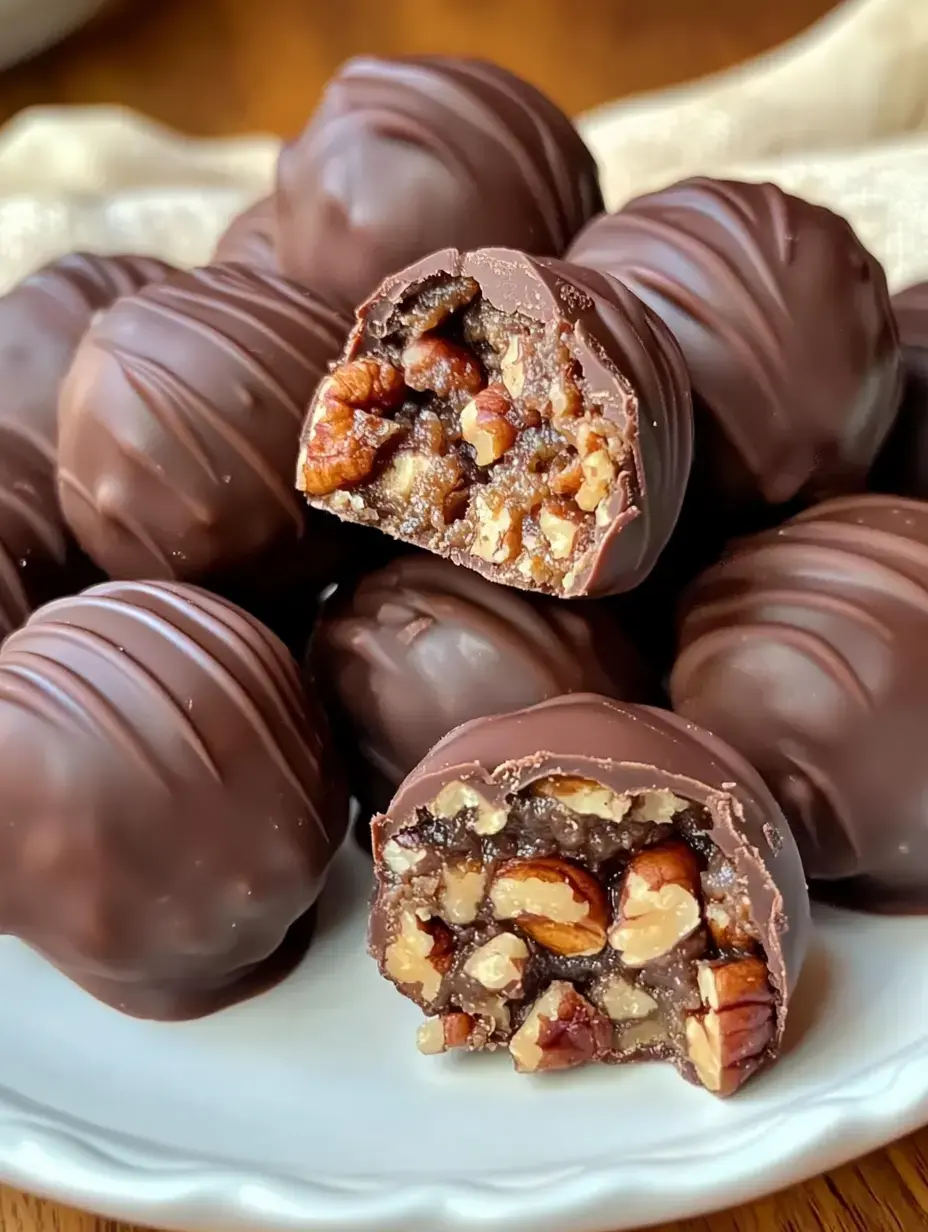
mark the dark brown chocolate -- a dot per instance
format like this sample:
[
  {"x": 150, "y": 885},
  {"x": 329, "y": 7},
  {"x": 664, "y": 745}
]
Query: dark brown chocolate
[
  {"x": 250, "y": 238},
  {"x": 526, "y": 418},
  {"x": 807, "y": 649},
  {"x": 42, "y": 320},
  {"x": 404, "y": 157},
  {"x": 171, "y": 799},
  {"x": 421, "y": 646},
  {"x": 587, "y": 880},
  {"x": 902, "y": 467},
  {"x": 785, "y": 322},
  {"x": 180, "y": 421}
]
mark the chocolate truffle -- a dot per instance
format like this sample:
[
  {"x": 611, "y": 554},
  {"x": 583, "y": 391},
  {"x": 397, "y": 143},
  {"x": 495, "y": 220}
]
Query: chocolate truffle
[
  {"x": 180, "y": 420},
  {"x": 250, "y": 238},
  {"x": 526, "y": 418},
  {"x": 586, "y": 881},
  {"x": 404, "y": 157},
  {"x": 785, "y": 322},
  {"x": 42, "y": 320},
  {"x": 421, "y": 646},
  {"x": 170, "y": 798},
  {"x": 807, "y": 649},
  {"x": 903, "y": 465}
]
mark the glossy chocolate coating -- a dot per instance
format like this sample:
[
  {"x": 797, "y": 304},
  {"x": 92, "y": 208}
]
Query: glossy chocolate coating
[
  {"x": 171, "y": 799},
  {"x": 250, "y": 238},
  {"x": 179, "y": 424},
  {"x": 407, "y": 156},
  {"x": 421, "y": 646},
  {"x": 630, "y": 367},
  {"x": 903, "y": 464},
  {"x": 785, "y": 322},
  {"x": 807, "y": 648},
  {"x": 42, "y": 320},
  {"x": 633, "y": 749}
]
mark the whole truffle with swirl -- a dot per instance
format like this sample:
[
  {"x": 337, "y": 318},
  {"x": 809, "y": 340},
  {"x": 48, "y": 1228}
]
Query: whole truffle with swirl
[
  {"x": 785, "y": 322},
  {"x": 903, "y": 464},
  {"x": 170, "y": 796},
  {"x": 404, "y": 157},
  {"x": 42, "y": 320},
  {"x": 807, "y": 648},
  {"x": 527, "y": 418},
  {"x": 179, "y": 423},
  {"x": 421, "y": 646},
  {"x": 591, "y": 881}
]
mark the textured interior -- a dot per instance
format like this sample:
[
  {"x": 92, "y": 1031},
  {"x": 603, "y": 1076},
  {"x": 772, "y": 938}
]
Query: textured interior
[
  {"x": 575, "y": 925},
  {"x": 467, "y": 430}
]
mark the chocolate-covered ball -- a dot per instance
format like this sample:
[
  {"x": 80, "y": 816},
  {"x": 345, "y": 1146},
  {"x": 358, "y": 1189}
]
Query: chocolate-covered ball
[
  {"x": 42, "y": 320},
  {"x": 527, "y": 418},
  {"x": 421, "y": 646},
  {"x": 785, "y": 322},
  {"x": 250, "y": 237},
  {"x": 171, "y": 799},
  {"x": 902, "y": 466},
  {"x": 407, "y": 156},
  {"x": 807, "y": 649},
  {"x": 180, "y": 420},
  {"x": 591, "y": 881}
]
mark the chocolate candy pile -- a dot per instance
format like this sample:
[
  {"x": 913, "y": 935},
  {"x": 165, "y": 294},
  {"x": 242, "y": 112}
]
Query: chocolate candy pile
[{"x": 551, "y": 458}]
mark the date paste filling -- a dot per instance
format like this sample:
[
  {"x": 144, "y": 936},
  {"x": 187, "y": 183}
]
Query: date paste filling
[
  {"x": 573, "y": 925},
  {"x": 471, "y": 433}
]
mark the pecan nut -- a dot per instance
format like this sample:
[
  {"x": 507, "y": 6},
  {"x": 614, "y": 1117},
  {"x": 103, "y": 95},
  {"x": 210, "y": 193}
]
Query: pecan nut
[
  {"x": 558, "y": 904},
  {"x": 420, "y": 953},
  {"x": 659, "y": 903},
  {"x": 561, "y": 1030},
  {"x": 441, "y": 367}
]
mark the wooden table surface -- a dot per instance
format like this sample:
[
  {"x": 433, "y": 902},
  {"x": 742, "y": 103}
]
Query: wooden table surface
[{"x": 226, "y": 66}]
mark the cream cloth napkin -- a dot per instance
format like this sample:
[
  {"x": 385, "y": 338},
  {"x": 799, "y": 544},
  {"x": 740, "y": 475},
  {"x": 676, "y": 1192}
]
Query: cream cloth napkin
[{"x": 836, "y": 115}]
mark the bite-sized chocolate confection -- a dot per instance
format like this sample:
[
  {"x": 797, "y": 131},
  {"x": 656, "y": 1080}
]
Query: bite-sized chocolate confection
[
  {"x": 421, "y": 646},
  {"x": 180, "y": 421},
  {"x": 170, "y": 797},
  {"x": 250, "y": 238},
  {"x": 586, "y": 881},
  {"x": 42, "y": 320},
  {"x": 524, "y": 417},
  {"x": 807, "y": 649},
  {"x": 404, "y": 157},
  {"x": 785, "y": 322},
  {"x": 903, "y": 465}
]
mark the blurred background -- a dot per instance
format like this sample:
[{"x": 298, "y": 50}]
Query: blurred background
[{"x": 214, "y": 67}]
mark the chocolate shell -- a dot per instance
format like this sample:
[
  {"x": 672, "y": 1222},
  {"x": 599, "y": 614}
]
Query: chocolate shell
[
  {"x": 421, "y": 646},
  {"x": 42, "y": 320},
  {"x": 524, "y": 417},
  {"x": 807, "y": 649},
  {"x": 610, "y": 870},
  {"x": 407, "y": 156},
  {"x": 903, "y": 464},
  {"x": 250, "y": 238},
  {"x": 170, "y": 795},
  {"x": 180, "y": 420},
  {"x": 785, "y": 323}
]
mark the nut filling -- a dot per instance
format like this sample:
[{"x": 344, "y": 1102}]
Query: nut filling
[
  {"x": 471, "y": 433},
  {"x": 582, "y": 925}
]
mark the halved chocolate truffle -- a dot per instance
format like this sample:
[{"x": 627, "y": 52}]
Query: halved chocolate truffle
[
  {"x": 785, "y": 322},
  {"x": 526, "y": 418},
  {"x": 590, "y": 881},
  {"x": 171, "y": 800},
  {"x": 407, "y": 156},
  {"x": 807, "y": 649},
  {"x": 42, "y": 320},
  {"x": 180, "y": 420},
  {"x": 421, "y": 646}
]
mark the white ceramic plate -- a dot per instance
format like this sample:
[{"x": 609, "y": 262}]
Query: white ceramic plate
[{"x": 310, "y": 1106}]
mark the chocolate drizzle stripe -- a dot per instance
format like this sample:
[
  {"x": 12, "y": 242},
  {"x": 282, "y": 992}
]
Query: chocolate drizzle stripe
[
  {"x": 69, "y": 694},
  {"x": 67, "y": 479},
  {"x": 125, "y": 663},
  {"x": 48, "y": 530},
  {"x": 224, "y": 679}
]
